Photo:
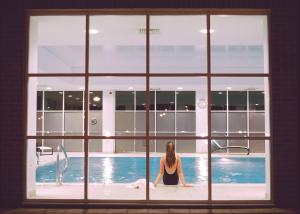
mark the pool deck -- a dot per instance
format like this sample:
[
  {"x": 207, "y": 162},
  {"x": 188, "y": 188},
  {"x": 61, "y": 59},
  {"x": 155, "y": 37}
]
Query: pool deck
[{"x": 132, "y": 192}]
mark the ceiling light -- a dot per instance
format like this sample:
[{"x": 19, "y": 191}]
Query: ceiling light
[
  {"x": 77, "y": 98},
  {"x": 48, "y": 88},
  {"x": 96, "y": 99},
  {"x": 204, "y": 30},
  {"x": 93, "y": 31},
  {"x": 220, "y": 92},
  {"x": 107, "y": 133},
  {"x": 130, "y": 88},
  {"x": 228, "y": 88},
  {"x": 70, "y": 96},
  {"x": 81, "y": 88},
  {"x": 223, "y": 16},
  {"x": 179, "y": 88}
]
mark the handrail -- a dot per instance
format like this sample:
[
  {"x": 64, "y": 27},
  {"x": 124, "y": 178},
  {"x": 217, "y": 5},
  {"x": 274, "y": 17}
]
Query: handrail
[
  {"x": 228, "y": 147},
  {"x": 59, "y": 175}
]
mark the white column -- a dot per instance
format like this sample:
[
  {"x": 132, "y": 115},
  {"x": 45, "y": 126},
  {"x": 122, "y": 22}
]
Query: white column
[
  {"x": 108, "y": 127},
  {"x": 201, "y": 120},
  {"x": 32, "y": 110},
  {"x": 267, "y": 109}
]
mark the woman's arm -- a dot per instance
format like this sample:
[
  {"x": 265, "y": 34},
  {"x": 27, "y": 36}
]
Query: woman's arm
[
  {"x": 161, "y": 172},
  {"x": 180, "y": 173}
]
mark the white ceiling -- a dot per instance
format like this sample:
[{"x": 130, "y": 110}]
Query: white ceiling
[{"x": 124, "y": 30}]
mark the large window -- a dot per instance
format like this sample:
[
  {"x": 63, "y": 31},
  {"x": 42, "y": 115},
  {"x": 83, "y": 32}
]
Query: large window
[{"x": 106, "y": 93}]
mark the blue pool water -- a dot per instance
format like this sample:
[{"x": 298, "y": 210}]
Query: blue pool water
[{"x": 130, "y": 169}]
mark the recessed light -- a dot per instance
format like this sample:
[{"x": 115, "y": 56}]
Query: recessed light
[
  {"x": 179, "y": 88},
  {"x": 228, "y": 88},
  {"x": 220, "y": 92},
  {"x": 204, "y": 31},
  {"x": 130, "y": 88},
  {"x": 93, "y": 31},
  {"x": 81, "y": 88},
  {"x": 70, "y": 96},
  {"x": 96, "y": 99},
  {"x": 48, "y": 88},
  {"x": 77, "y": 98},
  {"x": 223, "y": 16}
]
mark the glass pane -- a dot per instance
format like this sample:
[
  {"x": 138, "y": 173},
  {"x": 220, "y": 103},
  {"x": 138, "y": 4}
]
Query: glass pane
[
  {"x": 73, "y": 100},
  {"x": 124, "y": 123},
  {"x": 194, "y": 168},
  {"x": 116, "y": 176},
  {"x": 238, "y": 176},
  {"x": 186, "y": 123},
  {"x": 52, "y": 121},
  {"x": 186, "y": 100},
  {"x": 117, "y": 116},
  {"x": 219, "y": 123},
  {"x": 95, "y": 123},
  {"x": 124, "y": 100},
  {"x": 178, "y": 48},
  {"x": 141, "y": 100},
  {"x": 256, "y": 123},
  {"x": 39, "y": 102},
  {"x": 42, "y": 170},
  {"x": 256, "y": 100},
  {"x": 239, "y": 44},
  {"x": 165, "y": 100},
  {"x": 140, "y": 123},
  {"x": 95, "y": 146},
  {"x": 237, "y": 123},
  {"x": 188, "y": 109},
  {"x": 218, "y": 100},
  {"x": 56, "y": 44},
  {"x": 95, "y": 101},
  {"x": 117, "y": 44},
  {"x": 53, "y": 100},
  {"x": 237, "y": 88},
  {"x": 74, "y": 123},
  {"x": 165, "y": 124},
  {"x": 39, "y": 123},
  {"x": 237, "y": 100}
]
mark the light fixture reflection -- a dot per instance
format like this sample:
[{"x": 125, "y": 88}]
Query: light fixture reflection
[
  {"x": 107, "y": 171},
  {"x": 93, "y": 31},
  {"x": 204, "y": 31},
  {"x": 201, "y": 166}
]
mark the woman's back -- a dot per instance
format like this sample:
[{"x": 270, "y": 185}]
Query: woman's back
[{"x": 173, "y": 168}]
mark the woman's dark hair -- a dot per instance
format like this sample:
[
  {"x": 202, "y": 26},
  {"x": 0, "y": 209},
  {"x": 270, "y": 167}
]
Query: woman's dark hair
[{"x": 170, "y": 154}]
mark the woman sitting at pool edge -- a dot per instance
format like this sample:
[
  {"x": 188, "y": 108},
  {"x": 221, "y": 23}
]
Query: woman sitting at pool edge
[{"x": 170, "y": 168}]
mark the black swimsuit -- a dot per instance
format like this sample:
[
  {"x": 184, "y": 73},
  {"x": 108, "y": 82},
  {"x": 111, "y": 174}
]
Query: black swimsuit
[{"x": 170, "y": 179}]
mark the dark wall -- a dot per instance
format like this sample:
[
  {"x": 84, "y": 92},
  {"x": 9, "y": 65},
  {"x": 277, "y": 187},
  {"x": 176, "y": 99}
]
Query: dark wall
[{"x": 284, "y": 67}]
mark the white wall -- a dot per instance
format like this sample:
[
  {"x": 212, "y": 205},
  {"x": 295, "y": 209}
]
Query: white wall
[
  {"x": 201, "y": 120},
  {"x": 108, "y": 120}
]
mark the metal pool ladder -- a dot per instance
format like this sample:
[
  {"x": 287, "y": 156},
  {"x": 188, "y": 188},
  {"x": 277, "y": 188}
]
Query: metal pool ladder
[{"x": 59, "y": 174}]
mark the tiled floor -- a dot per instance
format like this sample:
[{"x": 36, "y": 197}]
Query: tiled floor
[{"x": 156, "y": 211}]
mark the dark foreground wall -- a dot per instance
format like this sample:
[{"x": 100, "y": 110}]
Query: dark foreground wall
[{"x": 284, "y": 67}]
